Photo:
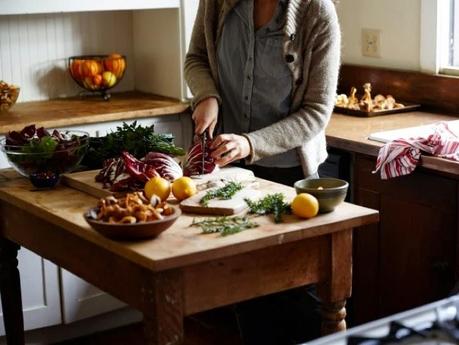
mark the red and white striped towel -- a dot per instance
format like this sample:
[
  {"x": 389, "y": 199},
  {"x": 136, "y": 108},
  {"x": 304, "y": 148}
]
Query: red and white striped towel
[{"x": 400, "y": 157}]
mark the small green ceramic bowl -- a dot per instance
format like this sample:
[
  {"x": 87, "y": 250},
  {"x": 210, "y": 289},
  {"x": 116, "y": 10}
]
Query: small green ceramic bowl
[{"x": 330, "y": 192}]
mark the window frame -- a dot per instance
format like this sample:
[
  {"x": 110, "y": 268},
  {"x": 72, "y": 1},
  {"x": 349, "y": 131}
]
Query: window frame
[{"x": 435, "y": 38}]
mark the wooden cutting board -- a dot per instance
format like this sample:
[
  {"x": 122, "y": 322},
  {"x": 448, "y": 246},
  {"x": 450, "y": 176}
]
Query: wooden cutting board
[
  {"x": 229, "y": 207},
  {"x": 85, "y": 180}
]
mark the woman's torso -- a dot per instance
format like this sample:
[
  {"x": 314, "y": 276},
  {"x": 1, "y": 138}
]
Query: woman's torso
[{"x": 255, "y": 82}]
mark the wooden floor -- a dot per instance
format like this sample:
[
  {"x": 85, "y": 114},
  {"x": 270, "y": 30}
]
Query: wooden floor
[{"x": 203, "y": 329}]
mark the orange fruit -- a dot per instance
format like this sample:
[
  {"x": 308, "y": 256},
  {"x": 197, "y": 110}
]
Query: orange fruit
[
  {"x": 157, "y": 186},
  {"x": 109, "y": 78},
  {"x": 305, "y": 205}
]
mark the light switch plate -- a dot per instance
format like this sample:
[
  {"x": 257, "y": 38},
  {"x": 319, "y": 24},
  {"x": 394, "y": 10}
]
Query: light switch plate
[{"x": 371, "y": 43}]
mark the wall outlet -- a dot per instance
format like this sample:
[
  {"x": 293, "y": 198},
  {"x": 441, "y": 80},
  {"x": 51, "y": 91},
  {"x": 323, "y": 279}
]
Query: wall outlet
[{"x": 371, "y": 43}]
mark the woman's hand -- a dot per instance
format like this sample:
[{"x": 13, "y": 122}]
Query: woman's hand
[
  {"x": 205, "y": 116},
  {"x": 229, "y": 147}
]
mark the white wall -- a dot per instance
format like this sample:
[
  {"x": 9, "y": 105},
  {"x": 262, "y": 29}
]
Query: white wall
[
  {"x": 399, "y": 22},
  {"x": 157, "y": 52}
]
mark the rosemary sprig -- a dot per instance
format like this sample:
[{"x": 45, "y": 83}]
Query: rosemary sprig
[
  {"x": 224, "y": 193},
  {"x": 224, "y": 225},
  {"x": 270, "y": 204}
]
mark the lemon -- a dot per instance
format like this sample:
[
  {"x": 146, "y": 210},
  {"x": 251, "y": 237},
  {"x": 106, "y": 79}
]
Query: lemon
[
  {"x": 183, "y": 188},
  {"x": 305, "y": 205},
  {"x": 159, "y": 186}
]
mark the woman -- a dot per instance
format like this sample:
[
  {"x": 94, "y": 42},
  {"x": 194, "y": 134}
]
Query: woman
[{"x": 264, "y": 73}]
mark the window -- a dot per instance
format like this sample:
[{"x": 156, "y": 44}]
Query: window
[
  {"x": 440, "y": 36},
  {"x": 452, "y": 55}
]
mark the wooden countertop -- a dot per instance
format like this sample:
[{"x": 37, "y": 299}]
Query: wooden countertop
[
  {"x": 76, "y": 111},
  {"x": 351, "y": 133}
]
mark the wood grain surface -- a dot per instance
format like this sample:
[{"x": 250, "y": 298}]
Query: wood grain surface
[
  {"x": 180, "y": 245},
  {"x": 64, "y": 112},
  {"x": 85, "y": 181}
]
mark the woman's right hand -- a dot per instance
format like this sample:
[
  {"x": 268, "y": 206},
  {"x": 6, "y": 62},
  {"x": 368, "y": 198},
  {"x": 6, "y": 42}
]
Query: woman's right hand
[{"x": 205, "y": 116}]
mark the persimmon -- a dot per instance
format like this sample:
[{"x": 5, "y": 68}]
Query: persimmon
[
  {"x": 97, "y": 80},
  {"x": 91, "y": 68},
  {"x": 76, "y": 69},
  {"x": 116, "y": 64}
]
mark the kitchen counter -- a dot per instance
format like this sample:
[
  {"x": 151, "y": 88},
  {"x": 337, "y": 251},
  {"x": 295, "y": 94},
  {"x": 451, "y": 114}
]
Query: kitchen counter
[
  {"x": 64, "y": 112},
  {"x": 345, "y": 132},
  {"x": 351, "y": 133}
]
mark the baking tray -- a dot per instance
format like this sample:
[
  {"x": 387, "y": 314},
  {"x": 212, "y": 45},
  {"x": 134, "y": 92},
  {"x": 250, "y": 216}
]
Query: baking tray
[{"x": 361, "y": 113}]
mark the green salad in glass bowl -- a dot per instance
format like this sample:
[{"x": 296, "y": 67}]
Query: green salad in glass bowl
[{"x": 43, "y": 155}]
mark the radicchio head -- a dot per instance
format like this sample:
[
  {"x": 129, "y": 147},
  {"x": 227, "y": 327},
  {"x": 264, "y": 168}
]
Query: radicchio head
[
  {"x": 194, "y": 159},
  {"x": 164, "y": 164}
]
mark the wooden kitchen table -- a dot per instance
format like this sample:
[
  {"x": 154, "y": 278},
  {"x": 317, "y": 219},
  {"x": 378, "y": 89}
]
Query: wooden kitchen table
[{"x": 181, "y": 272}]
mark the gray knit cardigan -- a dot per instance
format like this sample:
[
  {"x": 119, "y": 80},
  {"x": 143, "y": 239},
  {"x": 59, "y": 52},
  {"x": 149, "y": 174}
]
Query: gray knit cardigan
[{"x": 312, "y": 52}]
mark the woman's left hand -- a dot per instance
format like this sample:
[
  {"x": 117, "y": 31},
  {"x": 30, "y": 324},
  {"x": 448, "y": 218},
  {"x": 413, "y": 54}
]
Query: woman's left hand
[{"x": 227, "y": 148}]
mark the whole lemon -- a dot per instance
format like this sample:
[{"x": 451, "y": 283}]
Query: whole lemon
[
  {"x": 108, "y": 78},
  {"x": 305, "y": 205},
  {"x": 159, "y": 186},
  {"x": 183, "y": 188}
]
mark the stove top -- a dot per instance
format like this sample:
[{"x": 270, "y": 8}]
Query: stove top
[{"x": 433, "y": 324}]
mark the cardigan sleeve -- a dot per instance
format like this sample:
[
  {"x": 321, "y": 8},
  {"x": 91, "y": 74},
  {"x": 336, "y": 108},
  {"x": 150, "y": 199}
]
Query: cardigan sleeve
[{"x": 197, "y": 68}]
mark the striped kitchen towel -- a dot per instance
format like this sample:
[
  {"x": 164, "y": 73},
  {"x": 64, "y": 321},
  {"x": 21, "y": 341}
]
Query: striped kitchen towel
[{"x": 401, "y": 156}]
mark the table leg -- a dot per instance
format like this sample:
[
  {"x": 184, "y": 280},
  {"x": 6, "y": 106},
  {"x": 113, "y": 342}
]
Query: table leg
[
  {"x": 333, "y": 317},
  {"x": 163, "y": 312},
  {"x": 10, "y": 289},
  {"x": 337, "y": 288}
]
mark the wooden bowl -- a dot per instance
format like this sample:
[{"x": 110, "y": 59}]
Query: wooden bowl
[{"x": 133, "y": 231}]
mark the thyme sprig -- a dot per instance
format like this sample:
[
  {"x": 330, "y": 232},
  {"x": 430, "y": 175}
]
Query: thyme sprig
[
  {"x": 224, "y": 193},
  {"x": 224, "y": 225},
  {"x": 270, "y": 204}
]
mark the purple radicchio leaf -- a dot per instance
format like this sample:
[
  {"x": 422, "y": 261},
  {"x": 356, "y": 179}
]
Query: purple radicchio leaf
[{"x": 164, "y": 164}]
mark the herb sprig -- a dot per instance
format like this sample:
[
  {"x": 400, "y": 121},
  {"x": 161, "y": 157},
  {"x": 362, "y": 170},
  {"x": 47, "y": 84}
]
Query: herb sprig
[
  {"x": 224, "y": 225},
  {"x": 270, "y": 204},
  {"x": 224, "y": 193}
]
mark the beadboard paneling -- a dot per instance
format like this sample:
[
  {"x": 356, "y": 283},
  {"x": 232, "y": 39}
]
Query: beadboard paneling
[{"x": 34, "y": 49}]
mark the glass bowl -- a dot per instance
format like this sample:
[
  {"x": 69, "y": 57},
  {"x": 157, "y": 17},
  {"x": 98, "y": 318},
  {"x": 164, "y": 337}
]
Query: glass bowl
[
  {"x": 97, "y": 73},
  {"x": 330, "y": 192},
  {"x": 8, "y": 96},
  {"x": 44, "y": 168}
]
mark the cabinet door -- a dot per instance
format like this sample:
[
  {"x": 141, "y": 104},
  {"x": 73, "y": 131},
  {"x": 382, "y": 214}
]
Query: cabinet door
[
  {"x": 81, "y": 300},
  {"x": 409, "y": 258},
  {"x": 40, "y": 292}
]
